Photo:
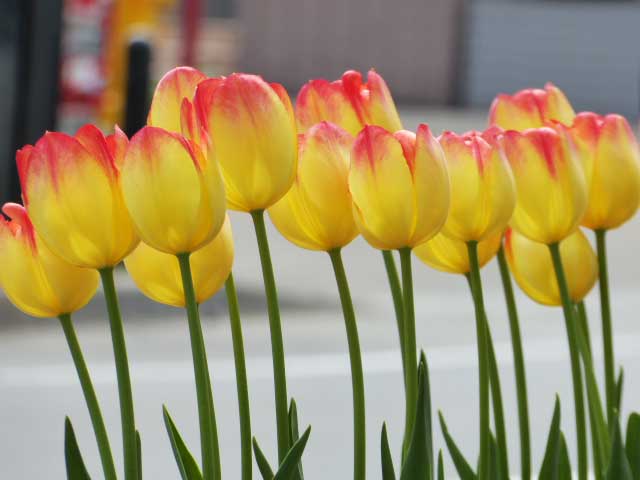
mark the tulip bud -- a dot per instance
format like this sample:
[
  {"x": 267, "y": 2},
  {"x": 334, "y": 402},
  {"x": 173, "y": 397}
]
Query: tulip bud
[
  {"x": 452, "y": 256},
  {"x": 70, "y": 186},
  {"x": 482, "y": 187},
  {"x": 399, "y": 185},
  {"x": 348, "y": 102},
  {"x": 551, "y": 189},
  {"x": 174, "y": 193},
  {"x": 609, "y": 152},
  {"x": 531, "y": 108},
  {"x": 157, "y": 274},
  {"x": 34, "y": 279},
  {"x": 532, "y": 267},
  {"x": 316, "y": 212},
  {"x": 252, "y": 128}
]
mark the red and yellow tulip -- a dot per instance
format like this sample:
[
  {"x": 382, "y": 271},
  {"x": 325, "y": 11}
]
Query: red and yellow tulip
[
  {"x": 316, "y": 212},
  {"x": 399, "y": 185},
  {"x": 609, "y": 152},
  {"x": 70, "y": 186},
  {"x": 531, "y": 108},
  {"x": 35, "y": 280},
  {"x": 531, "y": 265},
  {"x": 348, "y": 102},
  {"x": 483, "y": 193},
  {"x": 157, "y": 274},
  {"x": 550, "y": 184},
  {"x": 174, "y": 192}
]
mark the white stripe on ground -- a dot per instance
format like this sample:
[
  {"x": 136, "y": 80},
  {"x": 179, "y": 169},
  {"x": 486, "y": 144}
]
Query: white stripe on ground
[{"x": 301, "y": 367}]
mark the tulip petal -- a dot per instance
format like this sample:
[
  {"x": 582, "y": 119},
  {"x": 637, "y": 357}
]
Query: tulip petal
[{"x": 320, "y": 100}]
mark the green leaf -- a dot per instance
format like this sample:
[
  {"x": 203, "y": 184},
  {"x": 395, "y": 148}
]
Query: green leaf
[
  {"x": 564, "y": 464},
  {"x": 294, "y": 435},
  {"x": 440, "y": 466},
  {"x": 619, "y": 468},
  {"x": 551, "y": 461},
  {"x": 388, "y": 472},
  {"x": 289, "y": 465},
  {"x": 498, "y": 409},
  {"x": 76, "y": 469},
  {"x": 261, "y": 460},
  {"x": 462, "y": 466},
  {"x": 187, "y": 465},
  {"x": 418, "y": 463},
  {"x": 139, "y": 446},
  {"x": 495, "y": 471},
  {"x": 619, "y": 389},
  {"x": 633, "y": 444}
]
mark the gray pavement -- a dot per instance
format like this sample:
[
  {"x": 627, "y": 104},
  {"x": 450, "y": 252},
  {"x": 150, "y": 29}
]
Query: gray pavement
[{"x": 38, "y": 386}]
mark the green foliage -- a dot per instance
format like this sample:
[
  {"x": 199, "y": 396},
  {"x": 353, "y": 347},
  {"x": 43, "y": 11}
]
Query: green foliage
[
  {"x": 187, "y": 465},
  {"x": 76, "y": 469}
]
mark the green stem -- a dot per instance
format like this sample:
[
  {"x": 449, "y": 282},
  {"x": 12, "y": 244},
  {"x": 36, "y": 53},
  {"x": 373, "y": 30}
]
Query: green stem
[
  {"x": 90, "y": 397},
  {"x": 124, "y": 378},
  {"x": 208, "y": 435},
  {"x": 396, "y": 294},
  {"x": 410, "y": 355},
  {"x": 483, "y": 359},
  {"x": 572, "y": 337},
  {"x": 583, "y": 323},
  {"x": 518, "y": 361},
  {"x": 607, "y": 334},
  {"x": 357, "y": 376},
  {"x": 241, "y": 378},
  {"x": 275, "y": 327}
]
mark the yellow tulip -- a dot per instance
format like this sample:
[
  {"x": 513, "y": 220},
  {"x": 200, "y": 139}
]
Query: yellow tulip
[
  {"x": 531, "y": 265},
  {"x": 609, "y": 151},
  {"x": 157, "y": 274},
  {"x": 531, "y": 108},
  {"x": 452, "y": 256},
  {"x": 35, "y": 280},
  {"x": 174, "y": 193},
  {"x": 316, "y": 212},
  {"x": 70, "y": 187},
  {"x": 399, "y": 185},
  {"x": 551, "y": 189},
  {"x": 348, "y": 102},
  {"x": 482, "y": 187},
  {"x": 252, "y": 129}
]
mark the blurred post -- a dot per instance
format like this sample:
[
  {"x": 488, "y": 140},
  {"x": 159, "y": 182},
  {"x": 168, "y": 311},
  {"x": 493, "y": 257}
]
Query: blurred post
[
  {"x": 192, "y": 10},
  {"x": 138, "y": 84}
]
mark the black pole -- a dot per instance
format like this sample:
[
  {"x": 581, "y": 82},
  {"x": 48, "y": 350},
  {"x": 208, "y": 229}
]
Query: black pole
[{"x": 138, "y": 80}]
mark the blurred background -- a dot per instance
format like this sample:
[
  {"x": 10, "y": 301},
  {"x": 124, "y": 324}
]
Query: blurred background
[{"x": 68, "y": 62}]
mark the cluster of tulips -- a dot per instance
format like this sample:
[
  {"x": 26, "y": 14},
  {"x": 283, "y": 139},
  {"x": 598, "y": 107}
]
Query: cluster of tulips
[{"x": 337, "y": 166}]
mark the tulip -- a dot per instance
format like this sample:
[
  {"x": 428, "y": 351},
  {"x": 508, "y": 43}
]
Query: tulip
[
  {"x": 157, "y": 274},
  {"x": 174, "y": 193},
  {"x": 531, "y": 108},
  {"x": 400, "y": 187},
  {"x": 609, "y": 152},
  {"x": 483, "y": 193},
  {"x": 316, "y": 212},
  {"x": 531, "y": 265},
  {"x": 451, "y": 255},
  {"x": 348, "y": 102},
  {"x": 550, "y": 184},
  {"x": 41, "y": 284},
  {"x": 36, "y": 280},
  {"x": 70, "y": 186},
  {"x": 252, "y": 128}
]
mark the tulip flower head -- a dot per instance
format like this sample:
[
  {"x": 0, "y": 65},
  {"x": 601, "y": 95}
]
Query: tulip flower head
[
  {"x": 348, "y": 102},
  {"x": 452, "y": 256},
  {"x": 316, "y": 212},
  {"x": 252, "y": 128},
  {"x": 174, "y": 192},
  {"x": 35, "y": 280},
  {"x": 70, "y": 187},
  {"x": 483, "y": 193},
  {"x": 551, "y": 189},
  {"x": 532, "y": 267},
  {"x": 531, "y": 108},
  {"x": 157, "y": 274},
  {"x": 399, "y": 185},
  {"x": 609, "y": 152}
]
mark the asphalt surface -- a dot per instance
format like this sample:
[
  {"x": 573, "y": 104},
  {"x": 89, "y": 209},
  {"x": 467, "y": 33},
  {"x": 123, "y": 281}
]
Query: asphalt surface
[{"x": 38, "y": 386}]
